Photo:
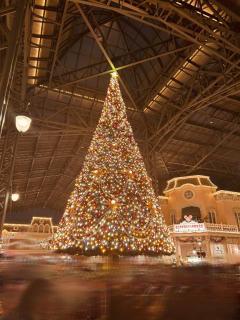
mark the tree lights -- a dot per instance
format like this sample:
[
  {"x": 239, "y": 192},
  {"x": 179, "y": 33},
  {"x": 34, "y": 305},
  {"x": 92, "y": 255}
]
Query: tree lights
[{"x": 113, "y": 208}]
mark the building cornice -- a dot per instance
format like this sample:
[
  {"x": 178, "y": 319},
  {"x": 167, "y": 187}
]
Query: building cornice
[{"x": 226, "y": 195}]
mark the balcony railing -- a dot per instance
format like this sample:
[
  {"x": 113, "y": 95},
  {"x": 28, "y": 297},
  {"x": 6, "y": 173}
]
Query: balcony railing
[
  {"x": 203, "y": 227},
  {"x": 221, "y": 227}
]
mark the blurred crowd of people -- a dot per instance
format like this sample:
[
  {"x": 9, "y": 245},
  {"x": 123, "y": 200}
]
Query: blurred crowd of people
[{"x": 118, "y": 291}]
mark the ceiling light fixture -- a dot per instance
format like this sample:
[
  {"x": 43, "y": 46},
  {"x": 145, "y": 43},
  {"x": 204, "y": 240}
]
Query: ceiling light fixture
[
  {"x": 22, "y": 123},
  {"x": 15, "y": 197}
]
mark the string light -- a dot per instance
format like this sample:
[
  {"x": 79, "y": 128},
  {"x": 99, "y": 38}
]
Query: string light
[
  {"x": 114, "y": 74},
  {"x": 113, "y": 208}
]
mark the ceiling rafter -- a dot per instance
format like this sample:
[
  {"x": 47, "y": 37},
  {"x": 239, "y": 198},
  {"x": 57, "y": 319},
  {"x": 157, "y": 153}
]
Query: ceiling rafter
[
  {"x": 133, "y": 11},
  {"x": 148, "y": 43}
]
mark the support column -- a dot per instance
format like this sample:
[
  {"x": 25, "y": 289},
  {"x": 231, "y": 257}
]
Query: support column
[
  {"x": 4, "y": 210},
  {"x": 227, "y": 257},
  {"x": 208, "y": 250},
  {"x": 178, "y": 251},
  {"x": 7, "y": 171},
  {"x": 13, "y": 39}
]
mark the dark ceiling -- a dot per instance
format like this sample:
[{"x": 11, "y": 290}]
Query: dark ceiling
[{"x": 179, "y": 70}]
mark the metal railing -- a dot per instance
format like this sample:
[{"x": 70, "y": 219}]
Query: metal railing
[{"x": 221, "y": 227}]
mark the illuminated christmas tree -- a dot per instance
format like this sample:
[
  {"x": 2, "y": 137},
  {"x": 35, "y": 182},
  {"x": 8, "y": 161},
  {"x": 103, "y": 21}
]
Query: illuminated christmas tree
[{"x": 113, "y": 208}]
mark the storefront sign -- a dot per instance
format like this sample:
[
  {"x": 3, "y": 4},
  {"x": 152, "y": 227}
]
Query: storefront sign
[{"x": 188, "y": 227}]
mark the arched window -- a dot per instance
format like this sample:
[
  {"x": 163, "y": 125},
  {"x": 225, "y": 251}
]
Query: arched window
[
  {"x": 212, "y": 218},
  {"x": 191, "y": 211},
  {"x": 47, "y": 228},
  {"x": 35, "y": 227},
  {"x": 41, "y": 228}
]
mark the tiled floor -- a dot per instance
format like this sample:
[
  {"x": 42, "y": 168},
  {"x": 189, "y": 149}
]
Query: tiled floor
[{"x": 60, "y": 287}]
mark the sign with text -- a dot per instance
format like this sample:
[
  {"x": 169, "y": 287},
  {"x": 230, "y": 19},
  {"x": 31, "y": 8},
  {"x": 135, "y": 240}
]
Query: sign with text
[{"x": 188, "y": 227}]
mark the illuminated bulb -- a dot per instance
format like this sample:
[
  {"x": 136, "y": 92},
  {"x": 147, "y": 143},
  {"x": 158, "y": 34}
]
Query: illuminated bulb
[
  {"x": 114, "y": 74},
  {"x": 15, "y": 197},
  {"x": 113, "y": 201},
  {"x": 22, "y": 123}
]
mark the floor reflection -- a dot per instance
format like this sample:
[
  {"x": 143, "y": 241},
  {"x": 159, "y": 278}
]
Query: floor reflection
[{"x": 60, "y": 287}]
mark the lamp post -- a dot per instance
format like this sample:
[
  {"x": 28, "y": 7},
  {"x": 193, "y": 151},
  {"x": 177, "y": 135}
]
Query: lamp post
[{"x": 201, "y": 254}]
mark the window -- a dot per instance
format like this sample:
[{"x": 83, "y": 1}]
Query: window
[
  {"x": 170, "y": 185},
  {"x": 237, "y": 216},
  {"x": 188, "y": 194},
  {"x": 173, "y": 219},
  {"x": 206, "y": 182},
  {"x": 41, "y": 228},
  {"x": 212, "y": 216},
  {"x": 183, "y": 181},
  {"x": 47, "y": 228},
  {"x": 193, "y": 212},
  {"x": 35, "y": 227}
]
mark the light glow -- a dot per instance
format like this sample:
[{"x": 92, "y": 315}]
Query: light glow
[
  {"x": 15, "y": 197},
  {"x": 113, "y": 208},
  {"x": 23, "y": 123},
  {"x": 115, "y": 74}
]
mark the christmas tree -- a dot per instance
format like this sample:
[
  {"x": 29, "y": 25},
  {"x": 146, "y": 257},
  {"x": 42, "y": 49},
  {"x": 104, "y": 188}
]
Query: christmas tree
[{"x": 113, "y": 208}]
